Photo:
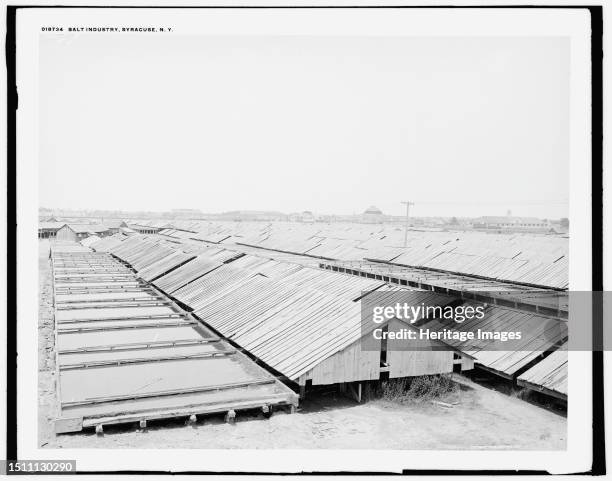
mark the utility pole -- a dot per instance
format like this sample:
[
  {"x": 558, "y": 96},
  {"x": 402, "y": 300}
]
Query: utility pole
[{"x": 408, "y": 204}]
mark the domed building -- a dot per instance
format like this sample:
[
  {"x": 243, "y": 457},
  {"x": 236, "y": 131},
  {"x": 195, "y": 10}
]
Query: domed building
[
  {"x": 373, "y": 215},
  {"x": 306, "y": 216}
]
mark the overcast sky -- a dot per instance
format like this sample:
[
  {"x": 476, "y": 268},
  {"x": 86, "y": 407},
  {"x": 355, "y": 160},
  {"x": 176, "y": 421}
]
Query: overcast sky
[{"x": 461, "y": 126}]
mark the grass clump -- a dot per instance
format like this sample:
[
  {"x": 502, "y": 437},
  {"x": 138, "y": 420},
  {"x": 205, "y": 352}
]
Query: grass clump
[{"x": 415, "y": 389}]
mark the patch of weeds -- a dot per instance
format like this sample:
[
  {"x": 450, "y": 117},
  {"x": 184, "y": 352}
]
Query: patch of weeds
[
  {"x": 416, "y": 389},
  {"x": 523, "y": 393}
]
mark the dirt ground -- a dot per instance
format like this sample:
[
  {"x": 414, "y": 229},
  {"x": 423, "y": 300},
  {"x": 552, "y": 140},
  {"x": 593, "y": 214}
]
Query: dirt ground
[
  {"x": 476, "y": 418},
  {"x": 46, "y": 346}
]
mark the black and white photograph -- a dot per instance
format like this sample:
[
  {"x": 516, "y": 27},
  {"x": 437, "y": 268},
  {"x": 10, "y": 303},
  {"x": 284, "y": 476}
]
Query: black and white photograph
[{"x": 306, "y": 239}]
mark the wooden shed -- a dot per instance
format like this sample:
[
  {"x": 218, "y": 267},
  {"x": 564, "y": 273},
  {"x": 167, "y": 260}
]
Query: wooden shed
[
  {"x": 48, "y": 230},
  {"x": 304, "y": 323},
  {"x": 78, "y": 232},
  {"x": 358, "y": 363}
]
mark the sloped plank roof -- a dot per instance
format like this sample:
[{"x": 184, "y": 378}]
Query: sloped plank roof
[
  {"x": 538, "y": 335},
  {"x": 291, "y": 327},
  {"x": 549, "y": 374},
  {"x": 164, "y": 265},
  {"x": 107, "y": 243},
  {"x": 185, "y": 274}
]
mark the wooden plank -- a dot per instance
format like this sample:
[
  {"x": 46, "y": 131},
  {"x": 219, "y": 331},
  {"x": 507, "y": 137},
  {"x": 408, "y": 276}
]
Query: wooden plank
[
  {"x": 120, "y": 362},
  {"x": 199, "y": 389},
  {"x": 68, "y": 425}
]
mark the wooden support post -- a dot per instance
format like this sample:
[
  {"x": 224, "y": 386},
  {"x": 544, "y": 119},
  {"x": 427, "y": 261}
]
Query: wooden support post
[
  {"x": 191, "y": 420},
  {"x": 230, "y": 417},
  {"x": 366, "y": 391},
  {"x": 355, "y": 393},
  {"x": 302, "y": 391},
  {"x": 266, "y": 410},
  {"x": 143, "y": 424},
  {"x": 99, "y": 430}
]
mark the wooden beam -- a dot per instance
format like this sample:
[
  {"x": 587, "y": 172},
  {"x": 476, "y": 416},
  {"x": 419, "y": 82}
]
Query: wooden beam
[
  {"x": 140, "y": 345},
  {"x": 121, "y": 305},
  {"x": 124, "y": 318},
  {"x": 542, "y": 389},
  {"x": 173, "y": 392},
  {"x": 117, "y": 299},
  {"x": 144, "y": 360},
  {"x": 124, "y": 327}
]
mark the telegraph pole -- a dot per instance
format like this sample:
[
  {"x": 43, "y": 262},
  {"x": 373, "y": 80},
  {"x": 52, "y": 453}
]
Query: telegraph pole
[{"x": 408, "y": 204}]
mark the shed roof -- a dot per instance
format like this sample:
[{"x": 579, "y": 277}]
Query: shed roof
[
  {"x": 51, "y": 225},
  {"x": 293, "y": 317},
  {"x": 538, "y": 335},
  {"x": 84, "y": 228},
  {"x": 549, "y": 375},
  {"x": 92, "y": 239},
  {"x": 107, "y": 243},
  {"x": 114, "y": 223}
]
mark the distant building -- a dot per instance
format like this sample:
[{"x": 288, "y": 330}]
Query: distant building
[
  {"x": 143, "y": 229},
  {"x": 114, "y": 226},
  {"x": 48, "y": 229},
  {"x": 509, "y": 223},
  {"x": 305, "y": 216},
  {"x": 373, "y": 215},
  {"x": 77, "y": 232},
  {"x": 127, "y": 231},
  {"x": 560, "y": 226}
]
